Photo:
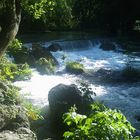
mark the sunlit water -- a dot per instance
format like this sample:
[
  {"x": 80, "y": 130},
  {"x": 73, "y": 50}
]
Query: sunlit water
[{"x": 125, "y": 97}]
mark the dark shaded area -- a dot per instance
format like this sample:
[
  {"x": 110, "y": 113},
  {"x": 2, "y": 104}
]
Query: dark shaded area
[{"x": 118, "y": 17}]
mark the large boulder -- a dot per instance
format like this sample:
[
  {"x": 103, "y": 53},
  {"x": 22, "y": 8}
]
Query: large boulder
[
  {"x": 107, "y": 46},
  {"x": 42, "y": 52},
  {"x": 62, "y": 97}
]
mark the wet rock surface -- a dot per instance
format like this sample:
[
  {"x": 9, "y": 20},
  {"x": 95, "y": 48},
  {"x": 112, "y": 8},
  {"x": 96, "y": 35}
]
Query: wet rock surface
[
  {"x": 62, "y": 97},
  {"x": 14, "y": 123},
  {"x": 107, "y": 46}
]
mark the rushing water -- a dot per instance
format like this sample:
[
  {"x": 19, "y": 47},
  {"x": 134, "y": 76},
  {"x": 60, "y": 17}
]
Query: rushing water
[{"x": 124, "y": 96}]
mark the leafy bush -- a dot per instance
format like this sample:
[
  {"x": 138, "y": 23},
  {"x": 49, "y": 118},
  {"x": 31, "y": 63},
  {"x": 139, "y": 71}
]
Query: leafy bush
[
  {"x": 101, "y": 124},
  {"x": 74, "y": 67},
  {"x": 45, "y": 66},
  {"x": 15, "y": 46},
  {"x": 13, "y": 72},
  {"x": 86, "y": 91}
]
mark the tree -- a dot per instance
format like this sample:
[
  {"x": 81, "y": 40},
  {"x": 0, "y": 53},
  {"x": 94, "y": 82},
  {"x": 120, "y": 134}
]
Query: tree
[
  {"x": 57, "y": 16},
  {"x": 11, "y": 10},
  {"x": 110, "y": 15},
  {"x": 11, "y": 17}
]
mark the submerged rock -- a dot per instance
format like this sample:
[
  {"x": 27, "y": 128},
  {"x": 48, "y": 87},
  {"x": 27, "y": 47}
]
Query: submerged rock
[
  {"x": 63, "y": 97},
  {"x": 107, "y": 46},
  {"x": 54, "y": 47}
]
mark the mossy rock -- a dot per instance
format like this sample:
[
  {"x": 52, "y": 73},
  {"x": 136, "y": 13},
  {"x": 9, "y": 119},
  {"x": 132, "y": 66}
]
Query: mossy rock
[
  {"x": 7, "y": 113},
  {"x": 74, "y": 67},
  {"x": 24, "y": 57},
  {"x": 45, "y": 66},
  {"x": 20, "y": 134},
  {"x": 131, "y": 74}
]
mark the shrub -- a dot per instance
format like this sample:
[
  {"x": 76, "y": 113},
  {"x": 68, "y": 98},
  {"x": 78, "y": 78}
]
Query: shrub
[
  {"x": 15, "y": 47},
  {"x": 74, "y": 67},
  {"x": 13, "y": 72},
  {"x": 101, "y": 124}
]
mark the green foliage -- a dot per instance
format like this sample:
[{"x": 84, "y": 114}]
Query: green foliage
[
  {"x": 35, "y": 8},
  {"x": 45, "y": 66},
  {"x": 86, "y": 91},
  {"x": 54, "y": 14},
  {"x": 13, "y": 72},
  {"x": 15, "y": 46},
  {"x": 11, "y": 96},
  {"x": 102, "y": 124},
  {"x": 74, "y": 67}
]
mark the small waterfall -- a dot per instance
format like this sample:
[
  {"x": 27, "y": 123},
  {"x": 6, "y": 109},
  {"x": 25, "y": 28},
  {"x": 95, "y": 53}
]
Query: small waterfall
[{"x": 72, "y": 45}]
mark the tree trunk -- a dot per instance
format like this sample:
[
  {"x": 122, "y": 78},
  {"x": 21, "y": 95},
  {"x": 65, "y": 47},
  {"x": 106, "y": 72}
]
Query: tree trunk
[{"x": 10, "y": 29}]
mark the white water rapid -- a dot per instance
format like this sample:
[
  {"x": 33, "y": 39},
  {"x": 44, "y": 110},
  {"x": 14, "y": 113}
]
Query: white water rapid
[{"x": 124, "y": 96}]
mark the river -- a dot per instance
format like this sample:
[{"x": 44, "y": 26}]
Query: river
[{"x": 120, "y": 95}]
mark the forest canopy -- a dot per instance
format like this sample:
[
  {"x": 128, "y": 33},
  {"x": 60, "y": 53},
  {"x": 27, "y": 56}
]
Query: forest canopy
[{"x": 114, "y": 17}]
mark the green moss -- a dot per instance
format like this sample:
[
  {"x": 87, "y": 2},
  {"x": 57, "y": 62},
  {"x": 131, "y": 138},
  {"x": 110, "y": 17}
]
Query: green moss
[
  {"x": 74, "y": 67},
  {"x": 8, "y": 113},
  {"x": 45, "y": 66},
  {"x": 12, "y": 96}
]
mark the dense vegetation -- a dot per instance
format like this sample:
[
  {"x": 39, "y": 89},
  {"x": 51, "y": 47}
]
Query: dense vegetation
[
  {"x": 112, "y": 16},
  {"x": 101, "y": 124}
]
